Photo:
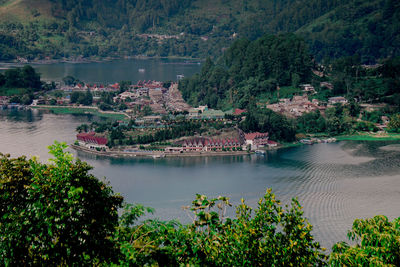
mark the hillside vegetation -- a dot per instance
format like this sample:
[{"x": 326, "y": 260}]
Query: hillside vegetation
[
  {"x": 193, "y": 28},
  {"x": 248, "y": 69}
]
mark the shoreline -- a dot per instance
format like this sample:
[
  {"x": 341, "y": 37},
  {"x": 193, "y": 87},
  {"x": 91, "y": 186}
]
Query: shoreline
[
  {"x": 162, "y": 154},
  {"x": 158, "y": 154}
]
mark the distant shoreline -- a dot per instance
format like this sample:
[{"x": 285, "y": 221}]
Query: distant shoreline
[{"x": 89, "y": 60}]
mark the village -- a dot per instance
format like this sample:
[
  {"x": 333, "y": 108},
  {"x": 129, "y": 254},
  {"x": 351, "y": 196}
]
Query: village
[
  {"x": 196, "y": 146},
  {"x": 152, "y": 109},
  {"x": 151, "y": 106}
]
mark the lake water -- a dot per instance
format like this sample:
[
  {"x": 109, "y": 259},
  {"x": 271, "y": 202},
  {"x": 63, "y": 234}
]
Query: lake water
[
  {"x": 118, "y": 70},
  {"x": 335, "y": 183}
]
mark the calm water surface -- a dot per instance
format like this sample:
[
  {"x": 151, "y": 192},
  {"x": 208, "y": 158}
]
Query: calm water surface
[
  {"x": 335, "y": 183},
  {"x": 118, "y": 70}
]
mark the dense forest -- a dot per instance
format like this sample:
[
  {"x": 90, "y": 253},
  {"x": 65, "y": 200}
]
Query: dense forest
[
  {"x": 263, "y": 69},
  {"x": 248, "y": 69},
  {"x": 194, "y": 28}
]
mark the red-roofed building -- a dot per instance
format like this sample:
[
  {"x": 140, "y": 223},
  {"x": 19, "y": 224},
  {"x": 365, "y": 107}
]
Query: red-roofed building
[
  {"x": 203, "y": 144},
  {"x": 256, "y": 140},
  {"x": 271, "y": 143},
  {"x": 239, "y": 111},
  {"x": 91, "y": 141},
  {"x": 115, "y": 86}
]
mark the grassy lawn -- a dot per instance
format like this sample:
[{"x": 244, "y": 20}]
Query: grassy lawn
[
  {"x": 79, "y": 110},
  {"x": 291, "y": 144},
  {"x": 370, "y": 137}
]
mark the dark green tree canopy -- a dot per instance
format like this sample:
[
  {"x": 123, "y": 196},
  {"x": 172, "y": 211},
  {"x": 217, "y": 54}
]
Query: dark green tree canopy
[
  {"x": 248, "y": 69},
  {"x": 25, "y": 77},
  {"x": 55, "y": 214}
]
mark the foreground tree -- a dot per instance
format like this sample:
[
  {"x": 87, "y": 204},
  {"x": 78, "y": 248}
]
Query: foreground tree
[
  {"x": 377, "y": 244},
  {"x": 394, "y": 124},
  {"x": 55, "y": 214},
  {"x": 267, "y": 236}
]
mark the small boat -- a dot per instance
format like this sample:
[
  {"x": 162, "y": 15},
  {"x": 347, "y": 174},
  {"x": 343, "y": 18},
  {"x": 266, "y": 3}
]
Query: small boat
[
  {"x": 260, "y": 152},
  {"x": 158, "y": 156},
  {"x": 142, "y": 70}
]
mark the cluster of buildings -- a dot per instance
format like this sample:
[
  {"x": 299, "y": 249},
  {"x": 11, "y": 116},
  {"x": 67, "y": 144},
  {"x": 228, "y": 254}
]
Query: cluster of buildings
[
  {"x": 150, "y": 93},
  {"x": 296, "y": 106},
  {"x": 301, "y": 104},
  {"x": 92, "y": 87},
  {"x": 252, "y": 141},
  {"x": 153, "y": 94}
]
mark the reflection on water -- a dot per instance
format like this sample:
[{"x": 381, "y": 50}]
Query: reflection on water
[
  {"x": 336, "y": 183},
  {"x": 119, "y": 70},
  {"x": 20, "y": 116}
]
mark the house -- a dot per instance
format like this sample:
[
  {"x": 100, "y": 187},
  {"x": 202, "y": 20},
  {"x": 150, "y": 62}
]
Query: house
[
  {"x": 256, "y": 140},
  {"x": 300, "y": 99},
  {"x": 385, "y": 120},
  {"x": 194, "y": 112},
  {"x": 239, "y": 111},
  {"x": 124, "y": 96},
  {"x": 326, "y": 85},
  {"x": 337, "y": 99},
  {"x": 221, "y": 144},
  {"x": 271, "y": 143},
  {"x": 194, "y": 144},
  {"x": 114, "y": 86},
  {"x": 143, "y": 91},
  {"x": 63, "y": 100},
  {"x": 308, "y": 88},
  {"x": 80, "y": 87},
  {"x": 205, "y": 144},
  {"x": 90, "y": 140}
]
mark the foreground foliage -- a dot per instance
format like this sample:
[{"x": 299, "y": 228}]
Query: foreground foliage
[
  {"x": 266, "y": 236},
  {"x": 59, "y": 214},
  {"x": 377, "y": 244},
  {"x": 55, "y": 214}
]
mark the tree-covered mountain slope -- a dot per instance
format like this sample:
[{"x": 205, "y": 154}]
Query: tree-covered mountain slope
[
  {"x": 249, "y": 69},
  {"x": 193, "y": 28}
]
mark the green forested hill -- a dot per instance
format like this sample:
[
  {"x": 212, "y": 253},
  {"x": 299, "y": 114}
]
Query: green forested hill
[
  {"x": 194, "y": 28},
  {"x": 248, "y": 69}
]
